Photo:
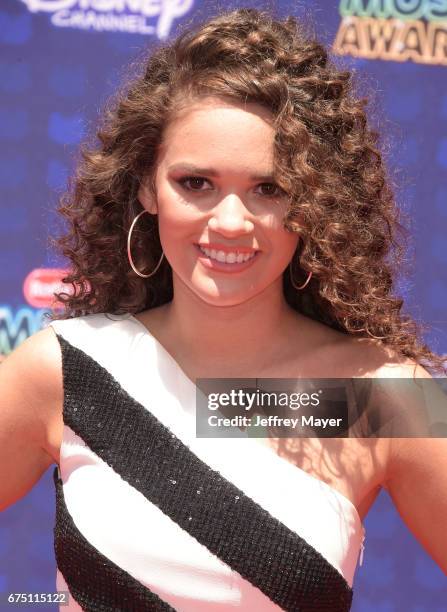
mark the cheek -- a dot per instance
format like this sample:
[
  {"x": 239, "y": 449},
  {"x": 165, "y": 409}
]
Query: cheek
[
  {"x": 175, "y": 219},
  {"x": 290, "y": 242},
  {"x": 282, "y": 239}
]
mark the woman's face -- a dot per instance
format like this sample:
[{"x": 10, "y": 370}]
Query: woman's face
[{"x": 215, "y": 189}]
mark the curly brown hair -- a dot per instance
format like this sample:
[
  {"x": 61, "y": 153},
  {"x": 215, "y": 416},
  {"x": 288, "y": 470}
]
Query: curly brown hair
[{"x": 327, "y": 160}]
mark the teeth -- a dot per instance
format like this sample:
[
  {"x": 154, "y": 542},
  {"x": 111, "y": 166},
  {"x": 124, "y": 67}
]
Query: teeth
[{"x": 233, "y": 257}]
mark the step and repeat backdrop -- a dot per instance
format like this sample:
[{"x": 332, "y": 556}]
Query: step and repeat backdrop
[{"x": 60, "y": 60}]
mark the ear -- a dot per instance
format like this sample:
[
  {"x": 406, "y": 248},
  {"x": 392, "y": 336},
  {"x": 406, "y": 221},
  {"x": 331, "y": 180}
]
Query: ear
[{"x": 147, "y": 198}]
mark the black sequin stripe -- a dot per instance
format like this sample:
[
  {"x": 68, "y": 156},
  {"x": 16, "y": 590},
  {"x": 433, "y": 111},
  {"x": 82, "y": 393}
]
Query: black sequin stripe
[
  {"x": 199, "y": 499},
  {"x": 95, "y": 582}
]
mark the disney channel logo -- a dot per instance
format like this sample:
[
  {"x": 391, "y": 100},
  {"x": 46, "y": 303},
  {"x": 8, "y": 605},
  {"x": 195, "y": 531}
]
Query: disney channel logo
[{"x": 134, "y": 16}]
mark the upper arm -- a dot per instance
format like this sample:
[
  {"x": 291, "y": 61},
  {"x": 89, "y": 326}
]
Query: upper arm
[
  {"x": 31, "y": 395},
  {"x": 416, "y": 479},
  {"x": 417, "y": 484}
]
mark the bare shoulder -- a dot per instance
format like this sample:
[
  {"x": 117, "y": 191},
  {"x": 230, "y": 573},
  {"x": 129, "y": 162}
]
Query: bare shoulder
[
  {"x": 348, "y": 356},
  {"x": 42, "y": 355},
  {"x": 377, "y": 360},
  {"x": 369, "y": 358}
]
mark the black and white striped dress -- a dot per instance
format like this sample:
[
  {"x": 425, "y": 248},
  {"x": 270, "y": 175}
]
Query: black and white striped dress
[{"x": 149, "y": 517}]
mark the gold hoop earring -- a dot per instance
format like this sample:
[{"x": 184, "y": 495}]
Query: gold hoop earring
[
  {"x": 129, "y": 254},
  {"x": 309, "y": 276}
]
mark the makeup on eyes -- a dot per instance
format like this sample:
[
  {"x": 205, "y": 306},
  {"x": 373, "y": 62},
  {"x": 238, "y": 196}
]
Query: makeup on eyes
[{"x": 182, "y": 181}]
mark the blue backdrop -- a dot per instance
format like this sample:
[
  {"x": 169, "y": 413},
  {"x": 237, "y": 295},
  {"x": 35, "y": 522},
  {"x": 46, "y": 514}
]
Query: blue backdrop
[{"x": 61, "y": 59}]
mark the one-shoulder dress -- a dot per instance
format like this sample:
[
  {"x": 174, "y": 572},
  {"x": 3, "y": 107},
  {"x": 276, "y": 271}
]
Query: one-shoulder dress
[{"x": 151, "y": 517}]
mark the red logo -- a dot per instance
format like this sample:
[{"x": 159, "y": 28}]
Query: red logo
[{"x": 41, "y": 284}]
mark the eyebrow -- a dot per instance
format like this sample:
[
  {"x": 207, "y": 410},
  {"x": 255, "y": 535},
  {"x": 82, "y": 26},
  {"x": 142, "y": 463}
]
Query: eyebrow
[{"x": 185, "y": 167}]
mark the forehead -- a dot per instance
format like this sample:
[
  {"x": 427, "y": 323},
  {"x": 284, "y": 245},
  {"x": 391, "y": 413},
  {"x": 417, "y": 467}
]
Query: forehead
[{"x": 220, "y": 131}]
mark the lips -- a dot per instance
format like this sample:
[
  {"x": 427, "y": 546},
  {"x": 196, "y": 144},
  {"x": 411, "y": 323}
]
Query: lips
[{"x": 222, "y": 266}]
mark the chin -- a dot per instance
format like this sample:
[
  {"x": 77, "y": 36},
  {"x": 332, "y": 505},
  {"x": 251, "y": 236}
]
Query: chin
[{"x": 218, "y": 298}]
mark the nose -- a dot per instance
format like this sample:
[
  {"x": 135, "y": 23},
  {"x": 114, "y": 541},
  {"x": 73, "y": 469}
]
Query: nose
[{"x": 230, "y": 217}]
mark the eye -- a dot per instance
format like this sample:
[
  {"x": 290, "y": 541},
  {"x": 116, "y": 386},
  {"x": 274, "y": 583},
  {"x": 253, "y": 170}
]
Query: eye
[
  {"x": 193, "y": 183},
  {"x": 270, "y": 190}
]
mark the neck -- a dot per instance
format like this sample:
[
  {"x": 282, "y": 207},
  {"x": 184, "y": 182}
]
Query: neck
[{"x": 225, "y": 338}]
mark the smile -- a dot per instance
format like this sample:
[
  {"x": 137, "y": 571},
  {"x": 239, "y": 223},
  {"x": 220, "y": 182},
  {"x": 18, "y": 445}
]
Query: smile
[
  {"x": 231, "y": 262},
  {"x": 230, "y": 258}
]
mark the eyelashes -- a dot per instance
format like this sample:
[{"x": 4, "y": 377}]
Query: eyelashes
[
  {"x": 188, "y": 183},
  {"x": 183, "y": 182}
]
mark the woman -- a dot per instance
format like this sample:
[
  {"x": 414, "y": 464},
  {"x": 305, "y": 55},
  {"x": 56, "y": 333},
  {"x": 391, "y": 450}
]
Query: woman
[{"x": 234, "y": 221}]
